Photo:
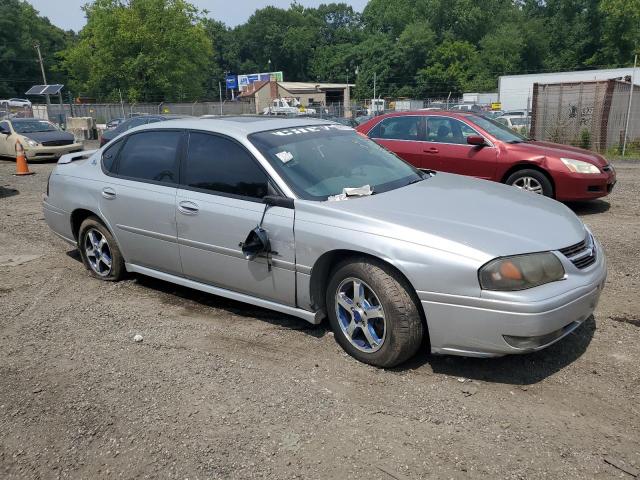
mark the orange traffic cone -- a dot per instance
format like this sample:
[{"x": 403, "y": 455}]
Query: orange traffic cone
[{"x": 22, "y": 167}]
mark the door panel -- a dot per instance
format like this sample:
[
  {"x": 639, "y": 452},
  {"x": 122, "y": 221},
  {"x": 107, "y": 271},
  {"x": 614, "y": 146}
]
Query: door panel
[
  {"x": 219, "y": 204},
  {"x": 143, "y": 218},
  {"x": 210, "y": 248},
  {"x": 447, "y": 142},
  {"x": 140, "y": 200}
]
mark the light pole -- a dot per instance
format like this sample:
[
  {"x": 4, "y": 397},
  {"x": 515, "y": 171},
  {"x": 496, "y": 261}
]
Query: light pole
[{"x": 36, "y": 45}]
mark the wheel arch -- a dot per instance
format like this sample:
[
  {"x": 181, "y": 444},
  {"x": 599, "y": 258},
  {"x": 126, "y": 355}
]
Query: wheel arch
[
  {"x": 79, "y": 215},
  {"x": 324, "y": 265},
  {"x": 529, "y": 166}
]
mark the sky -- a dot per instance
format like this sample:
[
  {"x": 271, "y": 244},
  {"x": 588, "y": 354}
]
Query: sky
[{"x": 67, "y": 14}]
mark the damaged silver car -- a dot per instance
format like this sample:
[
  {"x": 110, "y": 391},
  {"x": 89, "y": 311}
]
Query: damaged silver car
[{"x": 309, "y": 218}]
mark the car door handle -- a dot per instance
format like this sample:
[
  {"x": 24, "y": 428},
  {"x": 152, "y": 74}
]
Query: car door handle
[
  {"x": 188, "y": 208},
  {"x": 108, "y": 193},
  {"x": 430, "y": 150}
]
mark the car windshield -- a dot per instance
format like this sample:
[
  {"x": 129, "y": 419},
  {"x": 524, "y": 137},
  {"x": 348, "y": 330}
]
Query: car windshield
[
  {"x": 519, "y": 121},
  {"x": 321, "y": 160},
  {"x": 496, "y": 129},
  {"x": 32, "y": 126}
]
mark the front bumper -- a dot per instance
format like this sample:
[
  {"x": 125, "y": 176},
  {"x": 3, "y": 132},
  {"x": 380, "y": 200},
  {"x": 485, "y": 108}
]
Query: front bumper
[
  {"x": 574, "y": 186},
  {"x": 477, "y": 327},
  {"x": 51, "y": 153}
]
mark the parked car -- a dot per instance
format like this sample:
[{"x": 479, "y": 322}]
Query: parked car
[
  {"x": 516, "y": 123},
  {"x": 19, "y": 102},
  {"x": 470, "y": 144},
  {"x": 41, "y": 140},
  {"x": 310, "y": 219},
  {"x": 114, "y": 123},
  {"x": 130, "y": 123},
  {"x": 517, "y": 113}
]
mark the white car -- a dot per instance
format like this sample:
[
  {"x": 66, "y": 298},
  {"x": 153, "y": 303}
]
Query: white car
[
  {"x": 19, "y": 102},
  {"x": 514, "y": 122}
]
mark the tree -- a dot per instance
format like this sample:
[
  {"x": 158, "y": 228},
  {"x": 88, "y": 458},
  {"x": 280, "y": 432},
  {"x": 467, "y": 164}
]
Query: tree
[
  {"x": 148, "y": 49},
  {"x": 621, "y": 31},
  {"x": 21, "y": 27}
]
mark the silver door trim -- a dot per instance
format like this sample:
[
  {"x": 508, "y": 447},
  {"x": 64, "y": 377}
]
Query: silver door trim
[
  {"x": 148, "y": 233},
  {"x": 275, "y": 261},
  {"x": 311, "y": 317}
]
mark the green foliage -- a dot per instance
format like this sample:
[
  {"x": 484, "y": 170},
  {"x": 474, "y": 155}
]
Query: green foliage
[
  {"x": 21, "y": 27},
  {"x": 584, "y": 141},
  {"x": 148, "y": 49},
  {"x": 167, "y": 50}
]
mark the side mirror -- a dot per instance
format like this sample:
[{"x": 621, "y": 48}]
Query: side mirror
[
  {"x": 476, "y": 140},
  {"x": 278, "y": 201},
  {"x": 257, "y": 242}
]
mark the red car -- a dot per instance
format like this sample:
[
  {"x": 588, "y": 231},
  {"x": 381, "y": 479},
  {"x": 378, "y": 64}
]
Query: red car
[{"x": 470, "y": 144}]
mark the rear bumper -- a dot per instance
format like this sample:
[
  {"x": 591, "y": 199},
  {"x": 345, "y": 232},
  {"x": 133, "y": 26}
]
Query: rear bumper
[
  {"x": 58, "y": 220},
  {"x": 490, "y": 328}
]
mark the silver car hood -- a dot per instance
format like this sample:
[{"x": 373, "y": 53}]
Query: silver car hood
[{"x": 474, "y": 218}]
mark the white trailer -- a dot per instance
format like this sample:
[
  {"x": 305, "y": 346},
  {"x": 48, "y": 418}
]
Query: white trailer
[
  {"x": 406, "y": 105},
  {"x": 516, "y": 91},
  {"x": 480, "y": 98}
]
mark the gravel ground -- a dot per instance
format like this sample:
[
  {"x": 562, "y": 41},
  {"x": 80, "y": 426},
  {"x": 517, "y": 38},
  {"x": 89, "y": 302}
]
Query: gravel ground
[{"x": 219, "y": 389}]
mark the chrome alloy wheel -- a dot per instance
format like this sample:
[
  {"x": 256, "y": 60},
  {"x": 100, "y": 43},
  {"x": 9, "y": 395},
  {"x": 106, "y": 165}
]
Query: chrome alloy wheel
[
  {"x": 98, "y": 252},
  {"x": 360, "y": 315},
  {"x": 530, "y": 184}
]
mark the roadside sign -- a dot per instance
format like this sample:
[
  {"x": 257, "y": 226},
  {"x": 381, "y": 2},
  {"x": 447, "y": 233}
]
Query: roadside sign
[
  {"x": 496, "y": 106},
  {"x": 232, "y": 82}
]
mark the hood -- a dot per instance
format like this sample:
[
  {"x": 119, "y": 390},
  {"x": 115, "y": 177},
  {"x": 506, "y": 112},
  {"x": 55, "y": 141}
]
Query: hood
[
  {"x": 556, "y": 150},
  {"x": 474, "y": 218},
  {"x": 48, "y": 136}
]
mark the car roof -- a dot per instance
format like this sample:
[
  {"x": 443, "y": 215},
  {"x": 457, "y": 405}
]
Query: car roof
[
  {"x": 241, "y": 125},
  {"x": 24, "y": 120}
]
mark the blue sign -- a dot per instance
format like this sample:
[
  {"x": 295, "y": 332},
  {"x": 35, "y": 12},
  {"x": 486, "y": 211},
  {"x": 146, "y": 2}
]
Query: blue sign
[{"x": 232, "y": 82}]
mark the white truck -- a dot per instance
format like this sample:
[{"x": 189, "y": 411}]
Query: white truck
[{"x": 287, "y": 106}]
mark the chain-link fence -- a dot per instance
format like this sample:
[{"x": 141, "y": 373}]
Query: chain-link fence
[{"x": 602, "y": 115}]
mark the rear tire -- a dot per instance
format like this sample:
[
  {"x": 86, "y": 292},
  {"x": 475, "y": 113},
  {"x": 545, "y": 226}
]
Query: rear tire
[
  {"x": 531, "y": 180},
  {"x": 372, "y": 312},
  {"x": 99, "y": 251}
]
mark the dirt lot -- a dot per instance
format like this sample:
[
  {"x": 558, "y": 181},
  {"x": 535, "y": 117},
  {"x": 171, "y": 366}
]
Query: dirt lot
[{"x": 220, "y": 389}]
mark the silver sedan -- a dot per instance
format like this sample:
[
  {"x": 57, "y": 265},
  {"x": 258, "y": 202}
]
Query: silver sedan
[{"x": 308, "y": 218}]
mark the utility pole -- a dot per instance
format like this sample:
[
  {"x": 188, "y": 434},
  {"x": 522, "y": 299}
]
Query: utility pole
[
  {"x": 374, "y": 85},
  {"x": 44, "y": 77},
  {"x": 220, "y": 88},
  {"x": 626, "y": 123}
]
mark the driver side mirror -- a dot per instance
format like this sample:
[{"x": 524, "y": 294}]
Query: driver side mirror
[
  {"x": 257, "y": 242},
  {"x": 476, "y": 140}
]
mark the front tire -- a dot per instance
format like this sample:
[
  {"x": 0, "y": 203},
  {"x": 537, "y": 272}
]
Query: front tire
[
  {"x": 531, "y": 180},
  {"x": 372, "y": 313},
  {"x": 99, "y": 251}
]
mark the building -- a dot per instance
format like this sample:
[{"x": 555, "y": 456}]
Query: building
[
  {"x": 334, "y": 95},
  {"x": 515, "y": 91},
  {"x": 586, "y": 114}
]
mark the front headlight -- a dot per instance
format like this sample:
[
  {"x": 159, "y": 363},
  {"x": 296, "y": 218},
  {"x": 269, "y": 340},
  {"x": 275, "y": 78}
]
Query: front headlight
[
  {"x": 31, "y": 143},
  {"x": 521, "y": 272},
  {"x": 578, "y": 166}
]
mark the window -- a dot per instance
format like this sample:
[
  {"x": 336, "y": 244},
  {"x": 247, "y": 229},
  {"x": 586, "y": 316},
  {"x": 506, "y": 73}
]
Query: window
[
  {"x": 220, "y": 165},
  {"x": 399, "y": 128},
  {"x": 110, "y": 154},
  {"x": 4, "y": 126},
  {"x": 150, "y": 156},
  {"x": 448, "y": 130},
  {"x": 128, "y": 124}
]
